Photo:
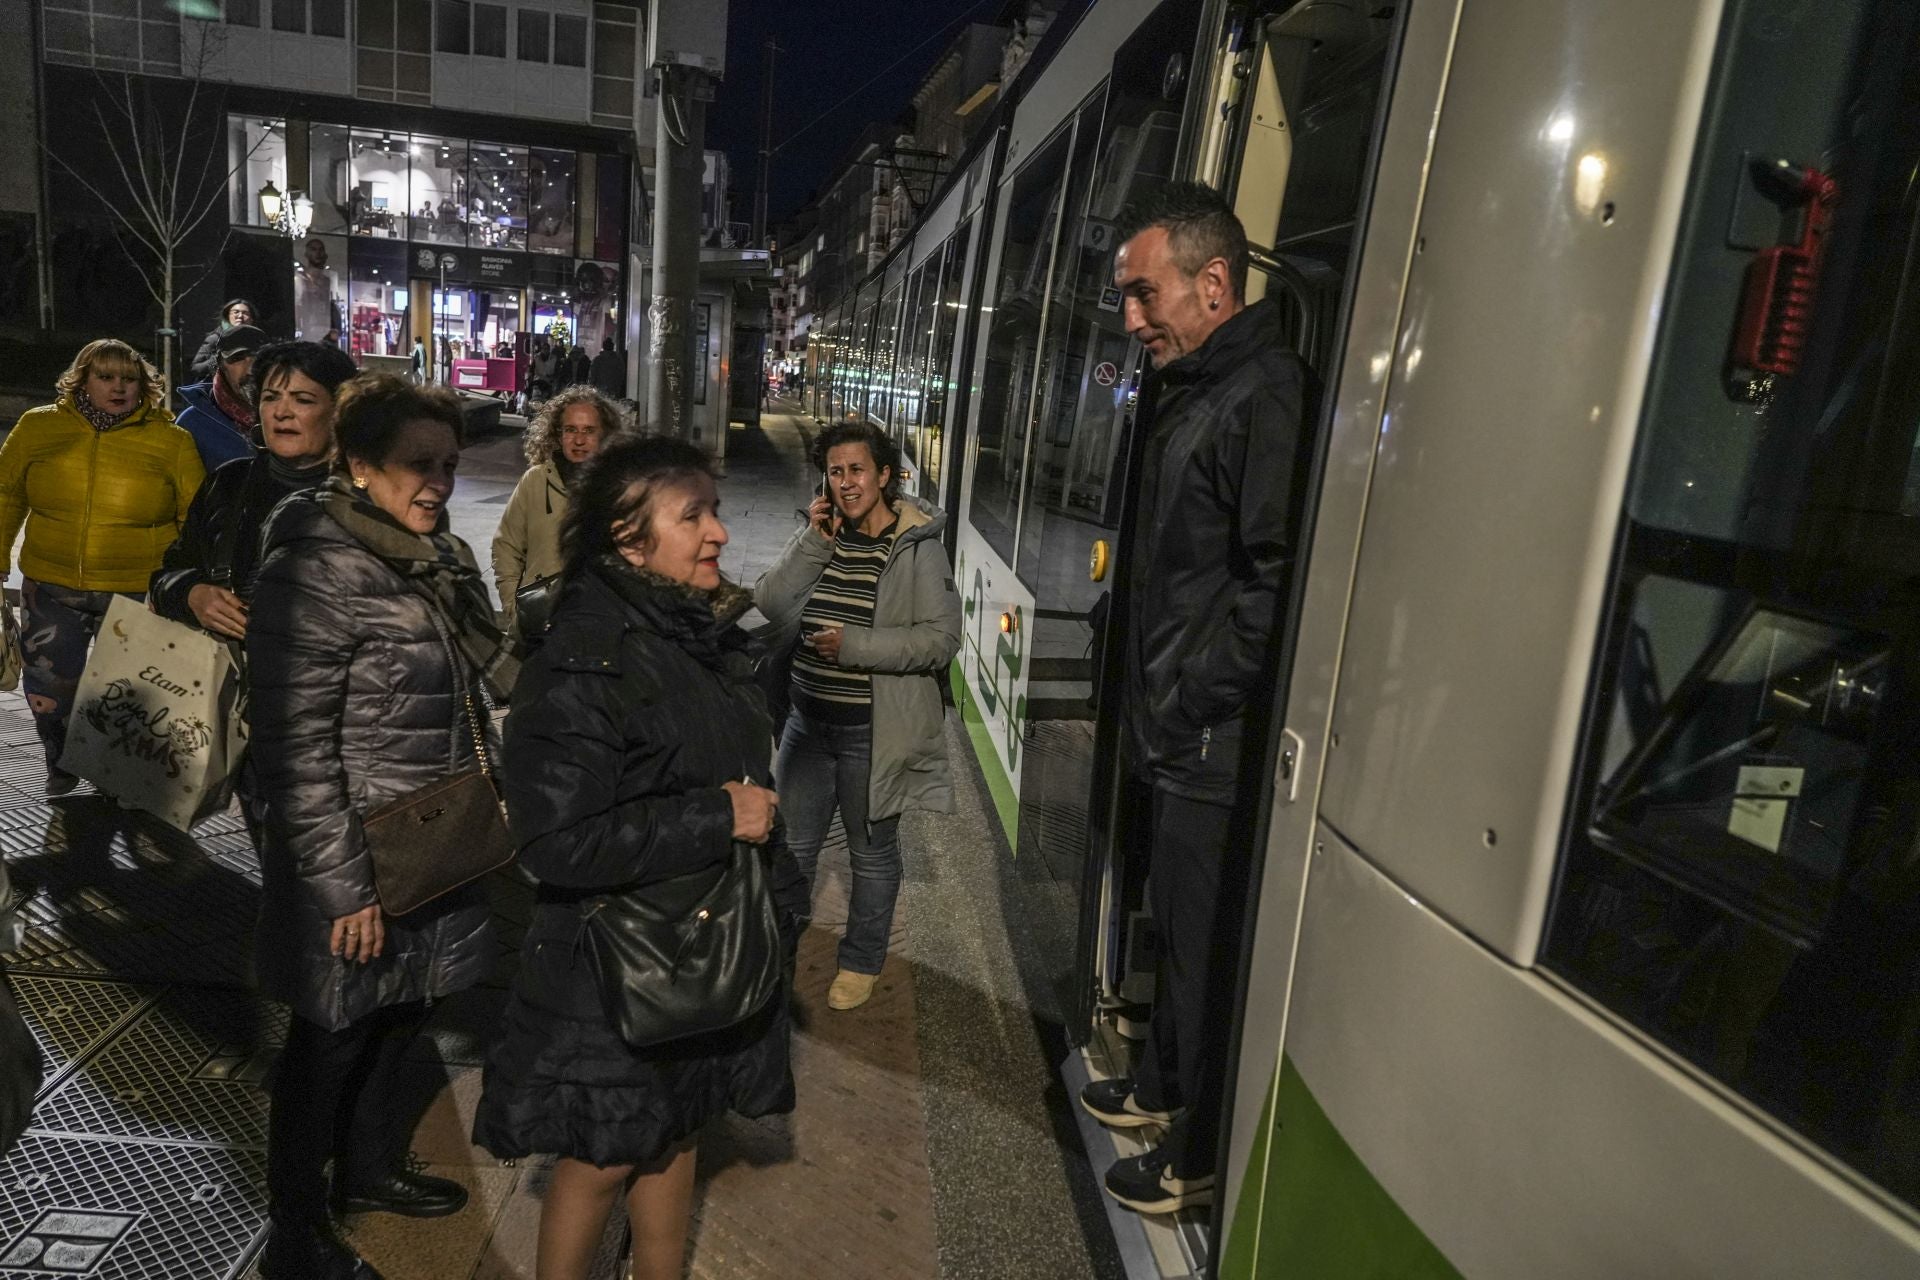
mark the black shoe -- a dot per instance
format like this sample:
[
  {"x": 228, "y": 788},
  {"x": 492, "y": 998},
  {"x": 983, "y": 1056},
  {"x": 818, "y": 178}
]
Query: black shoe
[
  {"x": 1147, "y": 1183},
  {"x": 60, "y": 782},
  {"x": 407, "y": 1192},
  {"x": 312, "y": 1252},
  {"x": 1112, "y": 1103}
]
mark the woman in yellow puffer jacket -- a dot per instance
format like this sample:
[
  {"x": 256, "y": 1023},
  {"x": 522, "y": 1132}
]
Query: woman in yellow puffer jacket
[{"x": 102, "y": 479}]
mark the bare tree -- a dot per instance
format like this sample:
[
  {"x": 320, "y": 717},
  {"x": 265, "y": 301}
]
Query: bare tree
[{"x": 171, "y": 175}]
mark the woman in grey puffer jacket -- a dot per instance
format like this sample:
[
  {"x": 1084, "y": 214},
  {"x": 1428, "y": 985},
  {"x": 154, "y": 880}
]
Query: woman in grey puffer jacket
[{"x": 369, "y": 635}]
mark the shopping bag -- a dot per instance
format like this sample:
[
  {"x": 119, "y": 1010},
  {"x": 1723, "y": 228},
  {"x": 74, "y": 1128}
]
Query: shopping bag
[
  {"x": 159, "y": 722},
  {"x": 12, "y": 661}
]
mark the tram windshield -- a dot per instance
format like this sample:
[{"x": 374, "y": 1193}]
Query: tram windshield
[{"x": 1745, "y": 885}]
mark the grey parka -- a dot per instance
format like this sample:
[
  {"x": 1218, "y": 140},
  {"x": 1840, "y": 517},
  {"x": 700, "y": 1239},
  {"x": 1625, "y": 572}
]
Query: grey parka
[
  {"x": 914, "y": 636},
  {"x": 353, "y": 703}
]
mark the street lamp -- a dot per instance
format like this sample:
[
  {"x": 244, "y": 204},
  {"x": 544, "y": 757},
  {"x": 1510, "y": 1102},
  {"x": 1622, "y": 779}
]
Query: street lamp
[{"x": 290, "y": 214}]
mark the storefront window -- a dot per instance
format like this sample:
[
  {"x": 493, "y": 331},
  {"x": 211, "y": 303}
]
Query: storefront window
[
  {"x": 376, "y": 205},
  {"x": 256, "y": 156},
  {"x": 550, "y": 194},
  {"x": 439, "y": 199},
  {"x": 498, "y": 213},
  {"x": 330, "y": 172},
  {"x": 496, "y": 318},
  {"x": 377, "y": 317},
  {"x": 319, "y": 288}
]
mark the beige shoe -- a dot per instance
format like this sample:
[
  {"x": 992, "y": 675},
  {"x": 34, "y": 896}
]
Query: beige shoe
[{"x": 850, "y": 990}]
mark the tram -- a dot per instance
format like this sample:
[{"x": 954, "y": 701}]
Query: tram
[{"x": 1585, "y": 939}]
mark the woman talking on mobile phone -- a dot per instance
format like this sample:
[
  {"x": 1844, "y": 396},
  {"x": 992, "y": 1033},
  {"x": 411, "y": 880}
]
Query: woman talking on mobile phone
[{"x": 866, "y": 595}]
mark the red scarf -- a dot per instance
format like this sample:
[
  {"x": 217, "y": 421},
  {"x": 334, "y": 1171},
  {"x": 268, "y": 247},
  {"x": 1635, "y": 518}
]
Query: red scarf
[{"x": 239, "y": 411}]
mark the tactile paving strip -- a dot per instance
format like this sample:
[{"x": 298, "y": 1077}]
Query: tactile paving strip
[
  {"x": 147, "y": 1082},
  {"x": 69, "y": 1015},
  {"x": 199, "y": 1209}
]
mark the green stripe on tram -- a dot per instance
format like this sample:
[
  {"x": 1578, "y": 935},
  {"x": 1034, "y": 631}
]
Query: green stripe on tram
[
  {"x": 1004, "y": 803},
  {"x": 1309, "y": 1207}
]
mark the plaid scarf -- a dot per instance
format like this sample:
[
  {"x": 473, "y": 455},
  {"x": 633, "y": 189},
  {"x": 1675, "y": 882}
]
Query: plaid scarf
[
  {"x": 100, "y": 418},
  {"x": 439, "y": 566},
  {"x": 241, "y": 413}
]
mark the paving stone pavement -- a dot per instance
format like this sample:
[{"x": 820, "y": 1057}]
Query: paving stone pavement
[{"x": 145, "y": 1157}]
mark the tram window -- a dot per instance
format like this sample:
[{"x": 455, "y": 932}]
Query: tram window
[
  {"x": 1742, "y": 878},
  {"x": 1006, "y": 383},
  {"x": 925, "y": 287},
  {"x": 946, "y": 323},
  {"x": 1083, "y": 266},
  {"x": 886, "y": 342}
]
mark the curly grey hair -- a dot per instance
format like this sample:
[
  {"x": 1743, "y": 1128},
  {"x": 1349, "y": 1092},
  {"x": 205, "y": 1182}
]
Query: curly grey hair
[{"x": 542, "y": 440}]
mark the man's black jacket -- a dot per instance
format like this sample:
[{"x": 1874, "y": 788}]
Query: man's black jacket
[{"x": 1213, "y": 544}]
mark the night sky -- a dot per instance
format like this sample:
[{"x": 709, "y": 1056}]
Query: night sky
[{"x": 828, "y": 49}]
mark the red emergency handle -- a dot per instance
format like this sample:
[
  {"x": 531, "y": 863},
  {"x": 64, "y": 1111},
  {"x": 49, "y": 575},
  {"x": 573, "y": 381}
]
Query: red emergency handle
[{"x": 1776, "y": 305}]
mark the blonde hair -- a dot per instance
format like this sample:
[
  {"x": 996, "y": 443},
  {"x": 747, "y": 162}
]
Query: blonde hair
[
  {"x": 112, "y": 352},
  {"x": 543, "y": 432}
]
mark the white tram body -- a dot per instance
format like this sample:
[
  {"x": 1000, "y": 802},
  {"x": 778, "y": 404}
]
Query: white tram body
[{"x": 1587, "y": 928}]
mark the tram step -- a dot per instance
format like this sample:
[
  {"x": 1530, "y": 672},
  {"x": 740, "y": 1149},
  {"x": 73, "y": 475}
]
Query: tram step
[
  {"x": 1061, "y": 668},
  {"x": 1060, "y": 703}
]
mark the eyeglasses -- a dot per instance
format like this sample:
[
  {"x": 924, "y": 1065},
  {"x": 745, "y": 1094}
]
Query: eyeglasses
[{"x": 584, "y": 433}]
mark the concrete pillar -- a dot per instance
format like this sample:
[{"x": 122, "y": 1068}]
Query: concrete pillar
[{"x": 679, "y": 169}]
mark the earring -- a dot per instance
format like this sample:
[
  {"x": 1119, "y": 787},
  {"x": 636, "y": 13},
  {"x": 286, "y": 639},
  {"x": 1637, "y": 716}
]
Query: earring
[
  {"x": 1214, "y": 305},
  {"x": 360, "y": 482}
]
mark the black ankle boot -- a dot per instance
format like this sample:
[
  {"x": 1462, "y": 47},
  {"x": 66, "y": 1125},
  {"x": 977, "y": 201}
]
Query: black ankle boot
[
  {"x": 311, "y": 1251},
  {"x": 410, "y": 1192}
]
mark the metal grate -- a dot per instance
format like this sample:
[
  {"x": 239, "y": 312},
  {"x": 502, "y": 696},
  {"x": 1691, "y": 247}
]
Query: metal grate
[
  {"x": 189, "y": 1213},
  {"x": 148, "y": 1082},
  {"x": 68, "y": 1016}
]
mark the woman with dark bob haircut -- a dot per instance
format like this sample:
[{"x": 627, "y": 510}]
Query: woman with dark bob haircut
[
  {"x": 371, "y": 642},
  {"x": 637, "y": 752},
  {"x": 207, "y": 575}
]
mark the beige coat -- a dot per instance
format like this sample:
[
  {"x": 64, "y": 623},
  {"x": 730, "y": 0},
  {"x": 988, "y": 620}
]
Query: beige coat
[
  {"x": 527, "y": 546},
  {"x": 914, "y": 636}
]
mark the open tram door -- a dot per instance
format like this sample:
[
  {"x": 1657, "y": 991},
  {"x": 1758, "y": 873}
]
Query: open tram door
[{"x": 1305, "y": 89}]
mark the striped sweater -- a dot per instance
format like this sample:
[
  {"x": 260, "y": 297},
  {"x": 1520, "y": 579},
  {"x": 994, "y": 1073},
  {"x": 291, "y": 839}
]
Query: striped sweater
[{"x": 842, "y": 598}]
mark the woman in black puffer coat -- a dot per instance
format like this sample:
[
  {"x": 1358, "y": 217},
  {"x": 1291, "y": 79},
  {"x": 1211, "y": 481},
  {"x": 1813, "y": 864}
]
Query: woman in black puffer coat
[
  {"x": 370, "y": 635},
  {"x": 638, "y": 750}
]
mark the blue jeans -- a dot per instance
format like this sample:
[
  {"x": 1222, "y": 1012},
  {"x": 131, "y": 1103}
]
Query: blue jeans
[{"x": 821, "y": 766}]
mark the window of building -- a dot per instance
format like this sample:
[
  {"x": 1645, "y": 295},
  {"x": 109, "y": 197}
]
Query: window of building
[
  {"x": 490, "y": 30},
  {"x": 376, "y": 201},
  {"x": 329, "y": 18},
  {"x": 534, "y": 27},
  {"x": 616, "y": 38},
  {"x": 256, "y": 157},
  {"x": 499, "y": 199},
  {"x": 117, "y": 35},
  {"x": 569, "y": 40},
  {"x": 330, "y": 171},
  {"x": 550, "y": 223},
  {"x": 290, "y": 15},
  {"x": 438, "y": 208},
  {"x": 1740, "y": 879},
  {"x": 394, "y": 58},
  {"x": 243, "y": 13},
  {"x": 452, "y": 28}
]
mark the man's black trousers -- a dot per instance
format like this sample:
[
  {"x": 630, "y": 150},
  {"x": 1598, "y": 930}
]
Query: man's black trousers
[{"x": 1197, "y": 890}]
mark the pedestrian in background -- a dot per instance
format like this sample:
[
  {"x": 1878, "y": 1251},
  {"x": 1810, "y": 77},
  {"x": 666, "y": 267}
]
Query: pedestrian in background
[
  {"x": 237, "y": 311},
  {"x": 608, "y": 372},
  {"x": 866, "y": 592},
  {"x": 102, "y": 479},
  {"x": 369, "y": 639},
  {"x": 637, "y": 752},
  {"x": 220, "y": 414},
  {"x": 567, "y": 431}
]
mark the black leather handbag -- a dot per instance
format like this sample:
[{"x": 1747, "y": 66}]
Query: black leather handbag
[
  {"x": 690, "y": 955},
  {"x": 446, "y": 834},
  {"x": 533, "y": 606}
]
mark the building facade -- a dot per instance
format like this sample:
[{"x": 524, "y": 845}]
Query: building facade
[{"x": 374, "y": 173}]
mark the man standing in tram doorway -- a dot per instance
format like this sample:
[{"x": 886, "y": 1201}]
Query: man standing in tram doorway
[{"x": 1211, "y": 546}]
